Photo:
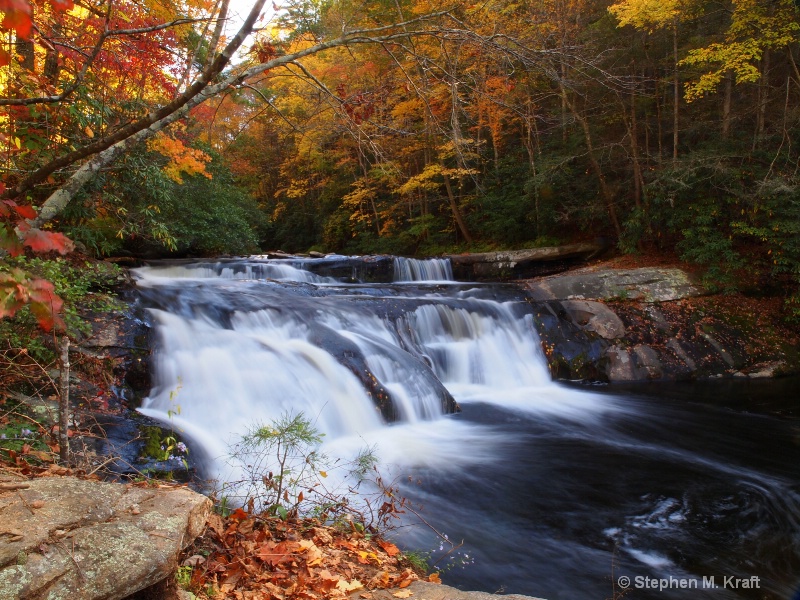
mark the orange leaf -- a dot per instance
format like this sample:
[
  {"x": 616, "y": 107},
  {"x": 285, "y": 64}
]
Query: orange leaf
[
  {"x": 434, "y": 578},
  {"x": 238, "y": 514},
  {"x": 389, "y": 548}
]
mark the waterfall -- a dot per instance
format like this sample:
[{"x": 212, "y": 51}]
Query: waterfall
[
  {"x": 543, "y": 481},
  {"x": 429, "y": 269},
  {"x": 244, "y": 344}
]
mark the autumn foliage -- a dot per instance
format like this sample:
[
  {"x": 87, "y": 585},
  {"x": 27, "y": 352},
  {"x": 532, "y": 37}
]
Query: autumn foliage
[{"x": 252, "y": 556}]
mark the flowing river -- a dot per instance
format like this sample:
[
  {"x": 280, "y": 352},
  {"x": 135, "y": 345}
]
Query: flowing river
[{"x": 559, "y": 491}]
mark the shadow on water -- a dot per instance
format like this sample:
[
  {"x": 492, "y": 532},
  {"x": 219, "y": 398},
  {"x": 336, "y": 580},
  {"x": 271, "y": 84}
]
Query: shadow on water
[{"x": 680, "y": 481}]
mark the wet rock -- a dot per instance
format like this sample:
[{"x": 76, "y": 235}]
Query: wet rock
[
  {"x": 572, "y": 351},
  {"x": 647, "y": 362},
  {"x": 71, "y": 538},
  {"x": 349, "y": 355}
]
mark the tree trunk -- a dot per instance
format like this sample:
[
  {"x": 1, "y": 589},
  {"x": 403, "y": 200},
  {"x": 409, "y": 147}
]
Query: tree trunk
[
  {"x": 63, "y": 405},
  {"x": 763, "y": 97},
  {"x": 637, "y": 168},
  {"x": 462, "y": 227},
  {"x": 595, "y": 164},
  {"x": 726, "y": 105},
  {"x": 676, "y": 95}
]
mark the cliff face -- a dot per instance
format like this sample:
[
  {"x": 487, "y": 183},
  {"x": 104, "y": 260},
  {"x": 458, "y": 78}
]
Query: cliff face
[{"x": 603, "y": 324}]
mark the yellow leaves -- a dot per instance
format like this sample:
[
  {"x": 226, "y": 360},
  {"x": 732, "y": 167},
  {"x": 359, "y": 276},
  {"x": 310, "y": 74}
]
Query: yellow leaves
[
  {"x": 427, "y": 180},
  {"x": 755, "y": 27},
  {"x": 646, "y": 14},
  {"x": 183, "y": 160}
]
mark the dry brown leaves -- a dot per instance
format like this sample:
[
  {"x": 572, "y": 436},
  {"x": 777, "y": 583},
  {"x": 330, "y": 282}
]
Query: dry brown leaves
[{"x": 251, "y": 556}]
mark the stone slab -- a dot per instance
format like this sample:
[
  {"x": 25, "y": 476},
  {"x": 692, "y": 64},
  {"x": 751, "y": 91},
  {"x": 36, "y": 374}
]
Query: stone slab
[{"x": 72, "y": 538}]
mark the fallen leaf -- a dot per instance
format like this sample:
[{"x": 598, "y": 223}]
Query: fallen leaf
[
  {"x": 403, "y": 594},
  {"x": 389, "y": 548},
  {"x": 434, "y": 578},
  {"x": 349, "y": 586},
  {"x": 216, "y": 523}
]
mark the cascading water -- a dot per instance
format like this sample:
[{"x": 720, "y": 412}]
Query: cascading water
[
  {"x": 547, "y": 484},
  {"x": 414, "y": 269}
]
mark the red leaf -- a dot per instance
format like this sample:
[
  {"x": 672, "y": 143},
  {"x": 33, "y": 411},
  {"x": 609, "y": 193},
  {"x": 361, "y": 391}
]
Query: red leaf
[
  {"x": 62, "y": 4},
  {"x": 44, "y": 241},
  {"x": 238, "y": 514},
  {"x": 45, "y": 304},
  {"x": 17, "y": 16},
  {"x": 26, "y": 212},
  {"x": 5, "y": 58}
]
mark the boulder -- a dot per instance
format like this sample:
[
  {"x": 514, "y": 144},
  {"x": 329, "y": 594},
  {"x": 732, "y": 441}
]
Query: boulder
[
  {"x": 646, "y": 285},
  {"x": 596, "y": 317},
  {"x": 72, "y": 538}
]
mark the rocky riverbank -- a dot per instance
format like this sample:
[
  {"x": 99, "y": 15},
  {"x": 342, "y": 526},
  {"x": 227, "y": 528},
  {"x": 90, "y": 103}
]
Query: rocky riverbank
[
  {"x": 655, "y": 323},
  {"x": 596, "y": 323}
]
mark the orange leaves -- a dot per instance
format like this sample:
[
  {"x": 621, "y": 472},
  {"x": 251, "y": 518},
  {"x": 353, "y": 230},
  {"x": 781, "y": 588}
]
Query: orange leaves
[
  {"x": 389, "y": 548},
  {"x": 264, "y": 557},
  {"x": 183, "y": 160}
]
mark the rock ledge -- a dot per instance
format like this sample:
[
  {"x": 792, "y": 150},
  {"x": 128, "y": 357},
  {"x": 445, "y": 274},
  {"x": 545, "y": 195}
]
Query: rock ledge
[{"x": 72, "y": 538}]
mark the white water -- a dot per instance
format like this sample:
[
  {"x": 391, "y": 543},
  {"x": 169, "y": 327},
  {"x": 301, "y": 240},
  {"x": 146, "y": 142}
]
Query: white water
[
  {"x": 262, "y": 364},
  {"x": 415, "y": 269},
  {"x": 549, "y": 485},
  {"x": 275, "y": 270}
]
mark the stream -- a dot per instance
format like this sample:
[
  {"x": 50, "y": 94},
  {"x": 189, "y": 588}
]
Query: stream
[{"x": 561, "y": 491}]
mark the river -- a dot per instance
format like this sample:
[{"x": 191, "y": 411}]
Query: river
[{"x": 556, "y": 490}]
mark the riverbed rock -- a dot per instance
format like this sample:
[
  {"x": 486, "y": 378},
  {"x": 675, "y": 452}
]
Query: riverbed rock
[
  {"x": 601, "y": 324},
  {"x": 72, "y": 538}
]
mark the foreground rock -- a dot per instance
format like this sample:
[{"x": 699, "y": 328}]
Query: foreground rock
[
  {"x": 650, "y": 324},
  {"x": 423, "y": 590},
  {"x": 71, "y": 538}
]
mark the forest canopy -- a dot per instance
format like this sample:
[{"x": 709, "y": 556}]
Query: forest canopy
[{"x": 154, "y": 127}]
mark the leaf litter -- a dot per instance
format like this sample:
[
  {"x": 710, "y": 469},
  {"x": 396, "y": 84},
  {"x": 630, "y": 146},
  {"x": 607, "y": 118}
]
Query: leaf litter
[{"x": 247, "y": 556}]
